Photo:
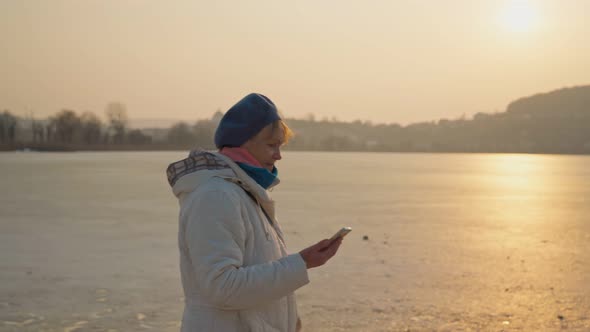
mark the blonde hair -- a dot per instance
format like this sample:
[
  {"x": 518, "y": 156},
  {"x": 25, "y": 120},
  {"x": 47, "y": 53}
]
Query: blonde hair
[{"x": 287, "y": 132}]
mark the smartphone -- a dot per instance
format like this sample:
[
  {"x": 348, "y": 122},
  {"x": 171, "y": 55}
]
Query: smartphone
[{"x": 341, "y": 233}]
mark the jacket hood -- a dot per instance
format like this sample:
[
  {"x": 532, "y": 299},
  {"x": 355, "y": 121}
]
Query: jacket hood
[{"x": 186, "y": 175}]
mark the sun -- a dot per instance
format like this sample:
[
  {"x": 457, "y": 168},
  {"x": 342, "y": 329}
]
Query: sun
[{"x": 518, "y": 16}]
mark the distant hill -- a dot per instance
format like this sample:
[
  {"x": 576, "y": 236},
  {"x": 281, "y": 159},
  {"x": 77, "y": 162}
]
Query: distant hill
[
  {"x": 553, "y": 122},
  {"x": 572, "y": 101}
]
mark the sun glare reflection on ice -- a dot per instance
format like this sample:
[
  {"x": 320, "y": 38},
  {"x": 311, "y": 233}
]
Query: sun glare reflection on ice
[
  {"x": 518, "y": 171},
  {"x": 519, "y": 180}
]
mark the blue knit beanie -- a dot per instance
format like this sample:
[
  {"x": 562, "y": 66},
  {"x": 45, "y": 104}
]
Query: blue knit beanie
[{"x": 244, "y": 120}]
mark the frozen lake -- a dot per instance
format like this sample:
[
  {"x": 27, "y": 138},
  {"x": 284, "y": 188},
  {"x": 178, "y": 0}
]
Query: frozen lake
[{"x": 455, "y": 241}]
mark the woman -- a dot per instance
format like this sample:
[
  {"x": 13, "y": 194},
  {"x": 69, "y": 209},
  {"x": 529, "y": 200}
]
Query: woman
[{"x": 236, "y": 272}]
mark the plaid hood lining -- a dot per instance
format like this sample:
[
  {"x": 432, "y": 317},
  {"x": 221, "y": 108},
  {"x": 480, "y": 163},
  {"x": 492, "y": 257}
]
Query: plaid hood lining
[{"x": 197, "y": 160}]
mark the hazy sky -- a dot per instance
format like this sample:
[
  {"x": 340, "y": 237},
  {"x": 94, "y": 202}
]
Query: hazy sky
[{"x": 384, "y": 61}]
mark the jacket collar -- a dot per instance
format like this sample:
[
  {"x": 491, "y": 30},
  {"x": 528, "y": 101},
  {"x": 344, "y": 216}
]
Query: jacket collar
[
  {"x": 247, "y": 183},
  {"x": 187, "y": 174}
]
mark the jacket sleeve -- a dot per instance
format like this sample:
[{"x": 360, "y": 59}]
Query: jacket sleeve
[{"x": 216, "y": 238}]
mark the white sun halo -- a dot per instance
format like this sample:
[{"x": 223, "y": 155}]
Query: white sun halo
[{"x": 518, "y": 16}]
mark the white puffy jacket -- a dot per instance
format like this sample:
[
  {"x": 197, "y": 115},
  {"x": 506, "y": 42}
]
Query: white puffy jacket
[{"x": 236, "y": 272}]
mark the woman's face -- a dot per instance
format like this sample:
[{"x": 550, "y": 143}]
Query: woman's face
[{"x": 266, "y": 145}]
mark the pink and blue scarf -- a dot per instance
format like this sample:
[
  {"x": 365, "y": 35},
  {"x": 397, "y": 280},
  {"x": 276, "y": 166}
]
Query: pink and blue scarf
[{"x": 251, "y": 166}]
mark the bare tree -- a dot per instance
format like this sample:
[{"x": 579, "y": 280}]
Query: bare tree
[
  {"x": 91, "y": 128},
  {"x": 7, "y": 127},
  {"x": 67, "y": 124},
  {"x": 38, "y": 131},
  {"x": 116, "y": 114}
]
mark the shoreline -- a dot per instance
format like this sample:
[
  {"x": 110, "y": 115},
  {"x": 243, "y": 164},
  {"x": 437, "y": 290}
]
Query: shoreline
[{"x": 43, "y": 147}]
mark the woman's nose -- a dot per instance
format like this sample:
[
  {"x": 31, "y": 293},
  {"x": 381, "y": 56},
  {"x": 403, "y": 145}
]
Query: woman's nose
[{"x": 277, "y": 155}]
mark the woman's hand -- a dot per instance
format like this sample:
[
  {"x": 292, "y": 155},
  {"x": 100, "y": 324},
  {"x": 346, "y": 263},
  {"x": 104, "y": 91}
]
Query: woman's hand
[{"x": 320, "y": 253}]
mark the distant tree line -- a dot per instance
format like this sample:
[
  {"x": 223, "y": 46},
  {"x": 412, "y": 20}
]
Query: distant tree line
[
  {"x": 555, "y": 122},
  {"x": 200, "y": 134},
  {"x": 69, "y": 129}
]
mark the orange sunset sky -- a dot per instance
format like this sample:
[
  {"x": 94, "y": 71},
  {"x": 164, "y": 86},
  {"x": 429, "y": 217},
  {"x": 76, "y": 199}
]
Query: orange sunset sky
[{"x": 383, "y": 61}]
